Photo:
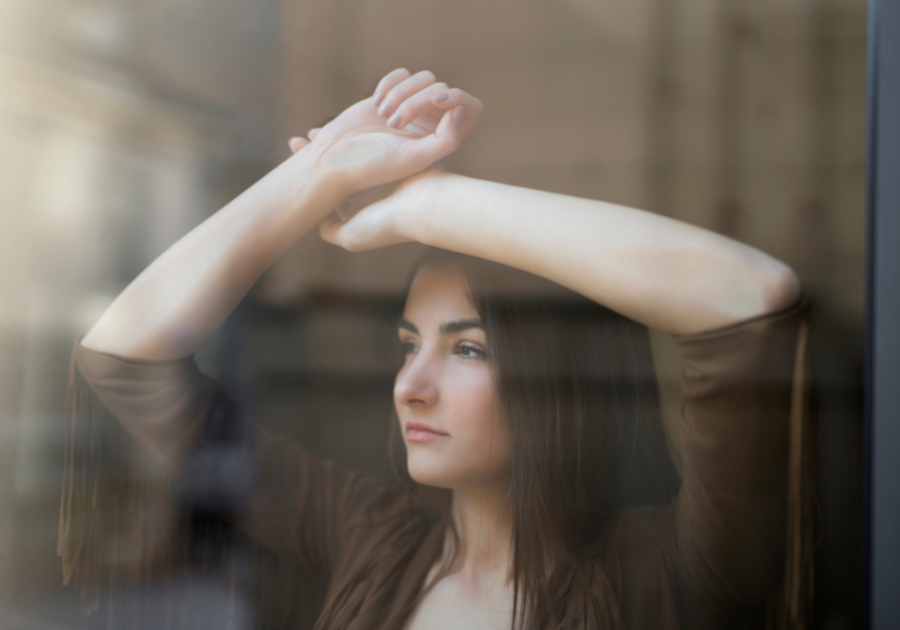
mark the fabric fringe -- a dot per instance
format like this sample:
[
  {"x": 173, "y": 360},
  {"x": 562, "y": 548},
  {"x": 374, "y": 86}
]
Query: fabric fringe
[
  {"x": 134, "y": 553},
  {"x": 792, "y": 607},
  {"x": 124, "y": 541},
  {"x": 112, "y": 538}
]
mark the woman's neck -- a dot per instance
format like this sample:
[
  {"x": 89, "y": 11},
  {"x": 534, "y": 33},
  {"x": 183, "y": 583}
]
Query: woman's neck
[{"x": 484, "y": 523}]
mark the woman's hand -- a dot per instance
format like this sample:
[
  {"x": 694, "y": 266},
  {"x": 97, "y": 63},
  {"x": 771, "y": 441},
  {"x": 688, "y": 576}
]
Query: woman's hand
[
  {"x": 409, "y": 124},
  {"x": 380, "y": 216}
]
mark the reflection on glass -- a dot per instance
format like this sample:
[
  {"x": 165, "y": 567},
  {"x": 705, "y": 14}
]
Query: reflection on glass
[{"x": 614, "y": 410}]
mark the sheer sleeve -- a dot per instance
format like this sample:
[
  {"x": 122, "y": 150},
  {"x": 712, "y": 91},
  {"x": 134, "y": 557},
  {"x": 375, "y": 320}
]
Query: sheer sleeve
[
  {"x": 744, "y": 517},
  {"x": 737, "y": 541},
  {"x": 287, "y": 499}
]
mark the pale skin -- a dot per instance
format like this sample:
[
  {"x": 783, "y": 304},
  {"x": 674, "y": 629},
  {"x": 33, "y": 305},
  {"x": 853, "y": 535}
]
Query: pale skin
[
  {"x": 446, "y": 382},
  {"x": 373, "y": 165}
]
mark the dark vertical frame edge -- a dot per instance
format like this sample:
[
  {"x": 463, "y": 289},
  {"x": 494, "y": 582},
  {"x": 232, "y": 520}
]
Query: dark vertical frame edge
[
  {"x": 869, "y": 327},
  {"x": 881, "y": 428}
]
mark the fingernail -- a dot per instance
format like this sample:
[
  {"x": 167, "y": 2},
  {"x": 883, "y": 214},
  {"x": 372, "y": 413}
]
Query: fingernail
[
  {"x": 378, "y": 97},
  {"x": 459, "y": 114},
  {"x": 395, "y": 121},
  {"x": 440, "y": 98},
  {"x": 385, "y": 109}
]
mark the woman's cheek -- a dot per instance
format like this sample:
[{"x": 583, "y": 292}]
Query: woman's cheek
[{"x": 488, "y": 435}]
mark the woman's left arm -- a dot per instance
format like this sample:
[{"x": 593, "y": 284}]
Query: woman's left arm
[{"x": 664, "y": 273}]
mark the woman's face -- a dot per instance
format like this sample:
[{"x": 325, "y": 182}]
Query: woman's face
[{"x": 449, "y": 417}]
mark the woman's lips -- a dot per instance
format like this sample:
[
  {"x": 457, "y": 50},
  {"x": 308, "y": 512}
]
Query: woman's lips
[{"x": 421, "y": 432}]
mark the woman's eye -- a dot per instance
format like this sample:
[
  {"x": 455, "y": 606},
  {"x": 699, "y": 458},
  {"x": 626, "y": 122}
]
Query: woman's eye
[
  {"x": 471, "y": 352},
  {"x": 408, "y": 347}
]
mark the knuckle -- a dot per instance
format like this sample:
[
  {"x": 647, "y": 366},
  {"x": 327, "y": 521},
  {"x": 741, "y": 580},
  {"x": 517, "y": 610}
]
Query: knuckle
[{"x": 426, "y": 74}]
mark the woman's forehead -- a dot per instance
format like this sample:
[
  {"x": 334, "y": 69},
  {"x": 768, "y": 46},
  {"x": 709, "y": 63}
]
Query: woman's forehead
[{"x": 437, "y": 295}]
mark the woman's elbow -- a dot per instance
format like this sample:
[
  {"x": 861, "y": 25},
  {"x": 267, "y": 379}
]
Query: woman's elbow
[{"x": 781, "y": 287}]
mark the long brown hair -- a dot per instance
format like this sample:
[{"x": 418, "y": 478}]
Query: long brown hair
[{"x": 578, "y": 387}]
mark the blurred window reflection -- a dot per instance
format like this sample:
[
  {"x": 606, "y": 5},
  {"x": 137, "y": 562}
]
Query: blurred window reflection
[{"x": 123, "y": 124}]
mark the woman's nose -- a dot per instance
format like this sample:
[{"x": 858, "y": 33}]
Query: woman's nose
[{"x": 416, "y": 383}]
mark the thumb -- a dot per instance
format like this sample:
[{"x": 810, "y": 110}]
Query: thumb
[{"x": 297, "y": 143}]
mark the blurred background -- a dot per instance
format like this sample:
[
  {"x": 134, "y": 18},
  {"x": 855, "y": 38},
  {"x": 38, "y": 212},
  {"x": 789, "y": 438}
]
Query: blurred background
[{"x": 124, "y": 123}]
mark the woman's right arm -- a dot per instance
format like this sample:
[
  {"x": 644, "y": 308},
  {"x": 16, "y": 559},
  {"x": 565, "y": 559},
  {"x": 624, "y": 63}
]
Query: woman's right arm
[
  {"x": 175, "y": 305},
  {"x": 136, "y": 363}
]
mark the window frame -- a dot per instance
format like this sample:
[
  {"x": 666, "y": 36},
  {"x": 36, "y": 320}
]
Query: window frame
[{"x": 881, "y": 439}]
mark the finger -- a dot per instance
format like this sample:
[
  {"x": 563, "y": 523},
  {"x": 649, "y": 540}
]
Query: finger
[
  {"x": 354, "y": 203},
  {"x": 390, "y": 80},
  {"x": 365, "y": 229},
  {"x": 418, "y": 105},
  {"x": 455, "y": 97},
  {"x": 446, "y": 139},
  {"x": 345, "y": 210},
  {"x": 329, "y": 227},
  {"x": 297, "y": 143},
  {"x": 312, "y": 133},
  {"x": 333, "y": 230},
  {"x": 404, "y": 90}
]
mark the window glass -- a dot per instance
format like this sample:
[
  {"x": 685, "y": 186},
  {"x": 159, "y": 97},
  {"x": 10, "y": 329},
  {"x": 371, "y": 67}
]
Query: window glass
[{"x": 126, "y": 125}]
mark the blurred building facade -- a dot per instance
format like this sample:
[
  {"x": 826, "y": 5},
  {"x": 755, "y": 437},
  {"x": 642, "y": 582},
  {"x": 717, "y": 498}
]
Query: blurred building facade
[{"x": 124, "y": 123}]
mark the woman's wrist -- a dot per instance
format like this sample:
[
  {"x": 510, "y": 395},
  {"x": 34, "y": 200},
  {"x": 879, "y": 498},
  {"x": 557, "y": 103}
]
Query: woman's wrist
[
  {"x": 420, "y": 216},
  {"x": 317, "y": 185},
  {"x": 355, "y": 164}
]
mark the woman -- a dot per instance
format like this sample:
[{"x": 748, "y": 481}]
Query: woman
[{"x": 519, "y": 512}]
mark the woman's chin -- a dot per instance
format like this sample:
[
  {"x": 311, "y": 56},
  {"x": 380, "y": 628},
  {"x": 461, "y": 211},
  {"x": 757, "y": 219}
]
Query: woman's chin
[
  {"x": 427, "y": 469},
  {"x": 430, "y": 476}
]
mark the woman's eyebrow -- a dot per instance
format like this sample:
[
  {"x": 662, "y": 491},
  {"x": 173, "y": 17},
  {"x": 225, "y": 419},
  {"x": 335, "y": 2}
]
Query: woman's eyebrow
[
  {"x": 459, "y": 325},
  {"x": 446, "y": 328},
  {"x": 408, "y": 325}
]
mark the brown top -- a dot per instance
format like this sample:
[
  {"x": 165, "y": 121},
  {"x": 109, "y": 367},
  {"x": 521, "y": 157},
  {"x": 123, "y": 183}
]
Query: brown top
[{"x": 732, "y": 550}]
